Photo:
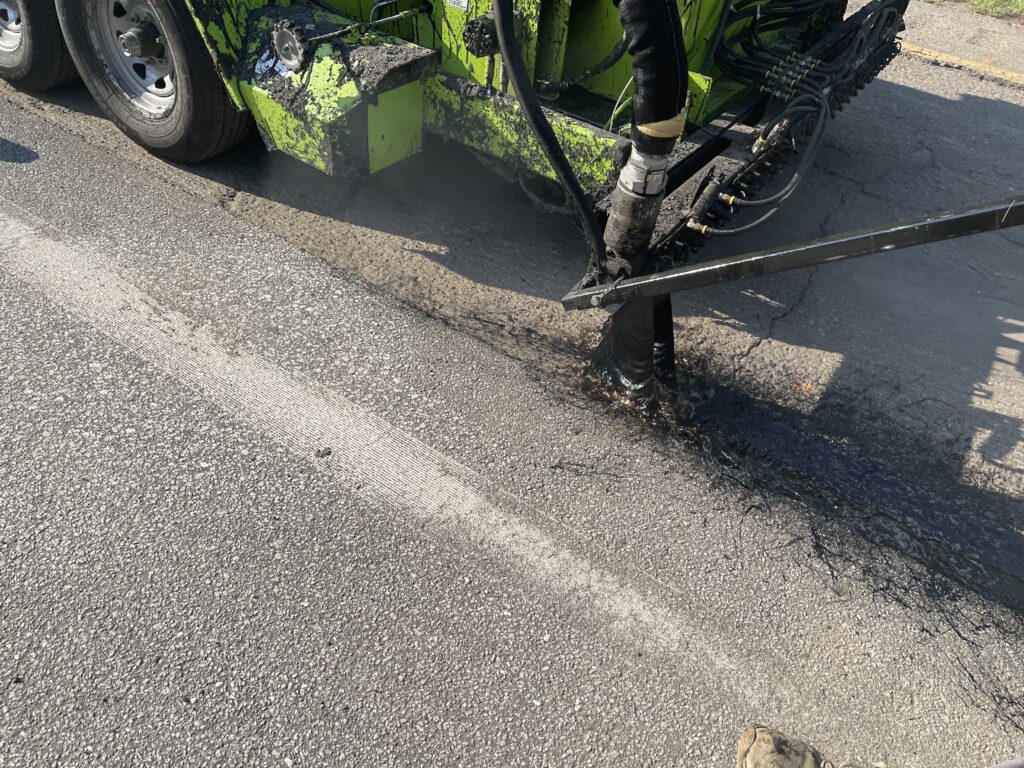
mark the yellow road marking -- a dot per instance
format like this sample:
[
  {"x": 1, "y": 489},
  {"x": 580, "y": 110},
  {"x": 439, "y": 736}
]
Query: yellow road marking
[{"x": 947, "y": 60}]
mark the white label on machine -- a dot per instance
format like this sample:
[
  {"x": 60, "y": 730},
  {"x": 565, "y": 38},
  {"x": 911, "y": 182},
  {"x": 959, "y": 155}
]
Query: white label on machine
[{"x": 462, "y": 4}]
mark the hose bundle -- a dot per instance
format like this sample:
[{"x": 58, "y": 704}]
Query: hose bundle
[{"x": 808, "y": 85}]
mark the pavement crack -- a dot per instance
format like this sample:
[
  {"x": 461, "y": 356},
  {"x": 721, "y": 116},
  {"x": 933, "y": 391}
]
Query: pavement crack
[
  {"x": 580, "y": 469},
  {"x": 739, "y": 359}
]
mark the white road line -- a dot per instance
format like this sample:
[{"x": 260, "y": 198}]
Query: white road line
[{"x": 383, "y": 463}]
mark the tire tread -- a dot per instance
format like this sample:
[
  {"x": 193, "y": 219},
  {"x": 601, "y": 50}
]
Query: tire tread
[
  {"x": 213, "y": 123},
  {"x": 51, "y": 63}
]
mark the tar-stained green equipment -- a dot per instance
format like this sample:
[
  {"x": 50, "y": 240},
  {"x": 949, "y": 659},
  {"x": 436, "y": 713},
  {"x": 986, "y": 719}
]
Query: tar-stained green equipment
[{"x": 363, "y": 98}]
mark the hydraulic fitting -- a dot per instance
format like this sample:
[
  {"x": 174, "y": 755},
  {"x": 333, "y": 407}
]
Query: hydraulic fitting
[
  {"x": 696, "y": 226},
  {"x": 654, "y": 38},
  {"x": 775, "y": 135},
  {"x": 481, "y": 36},
  {"x": 635, "y": 205}
]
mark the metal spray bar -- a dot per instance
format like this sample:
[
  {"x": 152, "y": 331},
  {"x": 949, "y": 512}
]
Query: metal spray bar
[{"x": 945, "y": 226}]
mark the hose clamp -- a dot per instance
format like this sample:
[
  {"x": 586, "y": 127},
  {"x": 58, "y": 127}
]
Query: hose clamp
[{"x": 644, "y": 174}]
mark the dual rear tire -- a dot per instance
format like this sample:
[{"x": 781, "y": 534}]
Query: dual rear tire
[
  {"x": 32, "y": 51},
  {"x": 142, "y": 60}
]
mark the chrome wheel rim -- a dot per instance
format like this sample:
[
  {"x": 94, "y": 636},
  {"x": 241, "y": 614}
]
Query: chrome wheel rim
[
  {"x": 10, "y": 26},
  {"x": 129, "y": 37}
]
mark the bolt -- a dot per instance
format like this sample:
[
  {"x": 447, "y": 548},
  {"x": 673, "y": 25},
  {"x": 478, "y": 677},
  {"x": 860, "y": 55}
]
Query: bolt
[{"x": 141, "y": 42}]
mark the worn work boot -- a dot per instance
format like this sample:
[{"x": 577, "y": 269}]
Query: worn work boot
[{"x": 761, "y": 747}]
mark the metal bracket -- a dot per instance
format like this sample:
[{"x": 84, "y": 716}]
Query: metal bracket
[{"x": 952, "y": 224}]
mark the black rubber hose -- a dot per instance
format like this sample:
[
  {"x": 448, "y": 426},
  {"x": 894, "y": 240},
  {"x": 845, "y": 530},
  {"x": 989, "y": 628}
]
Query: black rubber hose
[
  {"x": 654, "y": 34},
  {"x": 610, "y": 59},
  {"x": 504, "y": 20}
]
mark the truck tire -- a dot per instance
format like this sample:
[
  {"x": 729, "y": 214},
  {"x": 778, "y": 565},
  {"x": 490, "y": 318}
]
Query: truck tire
[
  {"x": 32, "y": 51},
  {"x": 148, "y": 69}
]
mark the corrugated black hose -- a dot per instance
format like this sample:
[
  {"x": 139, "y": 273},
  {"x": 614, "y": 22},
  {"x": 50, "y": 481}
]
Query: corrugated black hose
[
  {"x": 504, "y": 18},
  {"x": 654, "y": 35}
]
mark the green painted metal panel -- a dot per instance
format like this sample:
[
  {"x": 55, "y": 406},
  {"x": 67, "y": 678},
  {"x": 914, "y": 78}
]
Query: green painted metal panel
[
  {"x": 290, "y": 132},
  {"x": 552, "y": 39},
  {"x": 395, "y": 126},
  {"x": 327, "y": 118},
  {"x": 494, "y": 124},
  {"x": 217, "y": 44},
  {"x": 450, "y": 17},
  {"x": 356, "y": 106},
  {"x": 594, "y": 29}
]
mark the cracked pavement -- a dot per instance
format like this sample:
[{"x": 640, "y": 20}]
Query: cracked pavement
[
  {"x": 922, "y": 347},
  {"x": 294, "y": 472},
  {"x": 913, "y": 349},
  {"x": 756, "y": 342}
]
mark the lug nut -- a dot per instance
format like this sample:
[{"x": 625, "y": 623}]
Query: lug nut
[{"x": 141, "y": 43}]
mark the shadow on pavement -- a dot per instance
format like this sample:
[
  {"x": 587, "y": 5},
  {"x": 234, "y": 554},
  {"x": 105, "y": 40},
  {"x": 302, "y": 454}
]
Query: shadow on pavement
[
  {"x": 920, "y": 419},
  {"x": 902, "y": 417},
  {"x": 10, "y": 152}
]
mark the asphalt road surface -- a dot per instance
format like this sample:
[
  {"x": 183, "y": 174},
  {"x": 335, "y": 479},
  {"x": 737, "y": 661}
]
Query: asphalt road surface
[{"x": 296, "y": 472}]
